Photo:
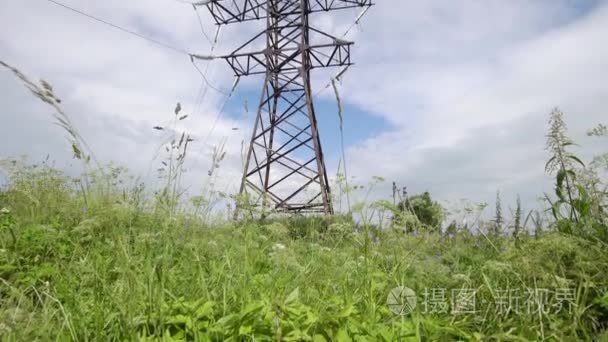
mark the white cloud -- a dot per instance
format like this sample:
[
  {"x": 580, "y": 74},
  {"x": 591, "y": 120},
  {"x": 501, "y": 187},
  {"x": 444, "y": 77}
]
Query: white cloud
[
  {"x": 465, "y": 82},
  {"x": 114, "y": 86}
]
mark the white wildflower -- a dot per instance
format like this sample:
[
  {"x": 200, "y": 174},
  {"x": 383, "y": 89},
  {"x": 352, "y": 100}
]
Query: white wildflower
[{"x": 279, "y": 246}]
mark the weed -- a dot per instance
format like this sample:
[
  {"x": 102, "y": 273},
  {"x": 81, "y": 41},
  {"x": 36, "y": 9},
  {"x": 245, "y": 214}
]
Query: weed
[{"x": 108, "y": 263}]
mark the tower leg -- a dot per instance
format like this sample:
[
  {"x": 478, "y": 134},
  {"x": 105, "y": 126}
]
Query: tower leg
[{"x": 285, "y": 171}]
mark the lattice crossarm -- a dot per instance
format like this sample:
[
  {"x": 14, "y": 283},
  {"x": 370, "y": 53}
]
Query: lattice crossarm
[
  {"x": 234, "y": 11},
  {"x": 329, "y": 5},
  {"x": 321, "y": 55}
]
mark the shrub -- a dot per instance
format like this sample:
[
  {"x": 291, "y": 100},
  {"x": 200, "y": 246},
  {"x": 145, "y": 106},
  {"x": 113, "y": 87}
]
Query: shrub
[{"x": 429, "y": 213}]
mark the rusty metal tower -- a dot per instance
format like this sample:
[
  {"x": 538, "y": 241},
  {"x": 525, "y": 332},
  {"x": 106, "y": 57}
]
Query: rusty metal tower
[{"x": 284, "y": 169}]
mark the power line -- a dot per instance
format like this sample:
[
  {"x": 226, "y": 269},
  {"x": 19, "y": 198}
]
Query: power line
[
  {"x": 356, "y": 22},
  {"x": 332, "y": 82},
  {"x": 214, "y": 44},
  {"x": 203, "y": 90},
  {"x": 207, "y": 81},
  {"x": 209, "y": 85},
  {"x": 151, "y": 40},
  {"x": 200, "y": 22},
  {"x": 339, "y": 75},
  {"x": 221, "y": 111},
  {"x": 173, "y": 48}
]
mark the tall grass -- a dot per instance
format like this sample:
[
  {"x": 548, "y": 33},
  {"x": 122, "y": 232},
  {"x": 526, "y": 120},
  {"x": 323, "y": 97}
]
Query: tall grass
[
  {"x": 117, "y": 272},
  {"x": 108, "y": 264}
]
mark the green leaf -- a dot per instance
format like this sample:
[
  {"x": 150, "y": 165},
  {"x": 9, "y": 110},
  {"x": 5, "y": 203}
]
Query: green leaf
[
  {"x": 559, "y": 192},
  {"x": 251, "y": 311},
  {"x": 549, "y": 163},
  {"x": 77, "y": 152},
  {"x": 293, "y": 296},
  {"x": 245, "y": 330},
  {"x": 318, "y": 338},
  {"x": 179, "y": 336},
  {"x": 347, "y": 311},
  {"x": 581, "y": 206},
  {"x": 205, "y": 310},
  {"x": 555, "y": 210},
  {"x": 179, "y": 320},
  {"x": 226, "y": 322},
  {"x": 576, "y": 159},
  {"x": 342, "y": 336},
  {"x": 561, "y": 175},
  {"x": 296, "y": 335},
  {"x": 385, "y": 334},
  {"x": 582, "y": 191}
]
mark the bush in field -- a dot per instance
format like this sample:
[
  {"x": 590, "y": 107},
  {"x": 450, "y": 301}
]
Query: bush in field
[{"x": 429, "y": 213}]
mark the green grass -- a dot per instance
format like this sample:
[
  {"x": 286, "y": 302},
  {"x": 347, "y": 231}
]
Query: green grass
[{"x": 101, "y": 264}]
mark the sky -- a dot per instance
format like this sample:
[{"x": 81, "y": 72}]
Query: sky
[{"x": 445, "y": 96}]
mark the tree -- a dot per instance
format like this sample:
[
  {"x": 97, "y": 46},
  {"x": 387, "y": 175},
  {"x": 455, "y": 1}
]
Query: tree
[{"x": 429, "y": 213}]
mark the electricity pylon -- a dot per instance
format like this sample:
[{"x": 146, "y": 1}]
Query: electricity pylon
[{"x": 285, "y": 170}]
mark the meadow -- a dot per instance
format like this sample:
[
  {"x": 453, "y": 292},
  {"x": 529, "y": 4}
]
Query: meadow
[
  {"x": 115, "y": 268},
  {"x": 102, "y": 257}
]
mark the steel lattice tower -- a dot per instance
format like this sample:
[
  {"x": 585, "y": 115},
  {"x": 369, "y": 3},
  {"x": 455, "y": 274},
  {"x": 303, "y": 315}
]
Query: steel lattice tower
[{"x": 285, "y": 170}]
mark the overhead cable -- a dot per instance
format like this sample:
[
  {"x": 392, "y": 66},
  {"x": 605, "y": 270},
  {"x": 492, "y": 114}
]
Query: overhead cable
[{"x": 151, "y": 40}]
